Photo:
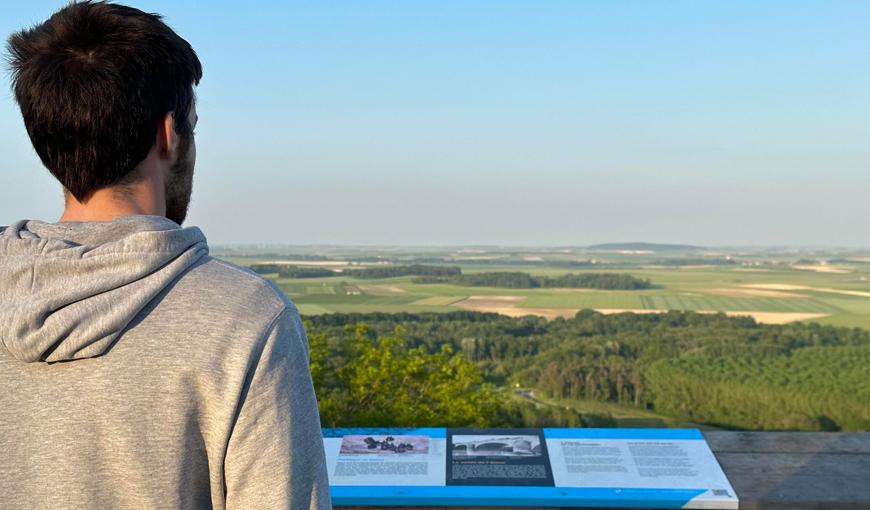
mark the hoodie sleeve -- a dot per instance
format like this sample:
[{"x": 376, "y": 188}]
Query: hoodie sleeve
[{"x": 275, "y": 456}]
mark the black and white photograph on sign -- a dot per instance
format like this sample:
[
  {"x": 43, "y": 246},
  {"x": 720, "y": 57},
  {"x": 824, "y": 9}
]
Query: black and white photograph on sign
[
  {"x": 498, "y": 457},
  {"x": 495, "y": 446},
  {"x": 384, "y": 445}
]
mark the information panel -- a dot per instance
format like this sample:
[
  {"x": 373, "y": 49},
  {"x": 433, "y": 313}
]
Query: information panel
[{"x": 653, "y": 468}]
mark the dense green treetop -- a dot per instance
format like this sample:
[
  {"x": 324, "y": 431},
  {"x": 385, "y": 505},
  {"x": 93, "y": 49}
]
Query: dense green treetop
[{"x": 710, "y": 368}]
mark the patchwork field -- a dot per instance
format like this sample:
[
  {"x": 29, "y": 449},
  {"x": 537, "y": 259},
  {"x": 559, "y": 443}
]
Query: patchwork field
[
  {"x": 642, "y": 376},
  {"x": 770, "y": 292}
]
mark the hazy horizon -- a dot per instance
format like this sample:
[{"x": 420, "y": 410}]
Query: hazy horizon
[
  {"x": 513, "y": 123},
  {"x": 544, "y": 247}
]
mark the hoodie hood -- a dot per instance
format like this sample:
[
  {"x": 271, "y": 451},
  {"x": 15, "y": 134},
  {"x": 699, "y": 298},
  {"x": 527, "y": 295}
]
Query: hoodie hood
[{"x": 68, "y": 289}]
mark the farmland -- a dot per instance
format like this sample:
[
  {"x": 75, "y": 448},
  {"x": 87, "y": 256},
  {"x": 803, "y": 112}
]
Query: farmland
[
  {"x": 644, "y": 369},
  {"x": 771, "y": 287}
]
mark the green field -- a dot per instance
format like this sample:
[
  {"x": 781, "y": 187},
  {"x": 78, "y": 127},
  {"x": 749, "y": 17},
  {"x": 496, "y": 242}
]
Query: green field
[{"x": 699, "y": 287}]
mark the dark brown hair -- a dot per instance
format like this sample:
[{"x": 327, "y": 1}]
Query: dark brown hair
[{"x": 93, "y": 82}]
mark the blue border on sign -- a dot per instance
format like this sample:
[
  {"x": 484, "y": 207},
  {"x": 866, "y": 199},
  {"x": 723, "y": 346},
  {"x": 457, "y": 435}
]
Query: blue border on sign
[
  {"x": 511, "y": 496},
  {"x": 380, "y": 431},
  {"x": 549, "y": 433},
  {"x": 663, "y": 434}
]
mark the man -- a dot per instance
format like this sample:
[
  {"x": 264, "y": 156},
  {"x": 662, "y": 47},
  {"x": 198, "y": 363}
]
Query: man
[{"x": 135, "y": 370}]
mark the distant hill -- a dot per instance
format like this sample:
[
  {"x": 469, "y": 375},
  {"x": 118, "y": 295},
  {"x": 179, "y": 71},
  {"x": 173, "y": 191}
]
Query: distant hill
[{"x": 644, "y": 247}]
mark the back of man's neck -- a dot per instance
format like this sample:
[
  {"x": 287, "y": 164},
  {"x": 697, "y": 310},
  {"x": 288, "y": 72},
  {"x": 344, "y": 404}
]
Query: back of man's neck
[{"x": 105, "y": 205}]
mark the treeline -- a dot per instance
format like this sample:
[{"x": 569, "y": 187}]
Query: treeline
[
  {"x": 368, "y": 273},
  {"x": 305, "y": 272},
  {"x": 699, "y": 261},
  {"x": 425, "y": 274},
  {"x": 521, "y": 260},
  {"x": 500, "y": 259},
  {"x": 709, "y": 368},
  {"x": 289, "y": 271},
  {"x": 259, "y": 254},
  {"x": 373, "y": 273},
  {"x": 379, "y": 259},
  {"x": 266, "y": 268},
  {"x": 519, "y": 280}
]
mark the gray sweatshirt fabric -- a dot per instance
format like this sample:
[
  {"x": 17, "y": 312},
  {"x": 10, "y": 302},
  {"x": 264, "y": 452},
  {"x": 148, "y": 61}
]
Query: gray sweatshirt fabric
[{"x": 136, "y": 371}]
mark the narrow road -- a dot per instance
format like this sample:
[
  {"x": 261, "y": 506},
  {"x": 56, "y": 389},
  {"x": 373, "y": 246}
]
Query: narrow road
[{"x": 529, "y": 395}]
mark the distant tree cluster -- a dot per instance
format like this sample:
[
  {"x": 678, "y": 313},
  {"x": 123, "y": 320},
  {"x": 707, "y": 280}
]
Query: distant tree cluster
[
  {"x": 523, "y": 260},
  {"x": 708, "y": 368},
  {"x": 306, "y": 272},
  {"x": 373, "y": 273},
  {"x": 289, "y": 271},
  {"x": 519, "y": 280},
  {"x": 699, "y": 261},
  {"x": 400, "y": 260},
  {"x": 266, "y": 268},
  {"x": 500, "y": 259},
  {"x": 840, "y": 261},
  {"x": 244, "y": 252},
  {"x": 614, "y": 281},
  {"x": 503, "y": 279}
]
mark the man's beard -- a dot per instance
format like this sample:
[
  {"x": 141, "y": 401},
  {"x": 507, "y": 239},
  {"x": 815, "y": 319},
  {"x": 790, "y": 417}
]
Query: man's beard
[{"x": 179, "y": 184}]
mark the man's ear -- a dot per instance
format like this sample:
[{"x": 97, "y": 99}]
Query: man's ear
[{"x": 167, "y": 138}]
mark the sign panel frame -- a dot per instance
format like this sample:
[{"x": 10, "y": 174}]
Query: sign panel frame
[{"x": 550, "y": 467}]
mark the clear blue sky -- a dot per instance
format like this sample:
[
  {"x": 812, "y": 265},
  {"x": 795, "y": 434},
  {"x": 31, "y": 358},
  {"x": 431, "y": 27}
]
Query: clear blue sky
[{"x": 506, "y": 122}]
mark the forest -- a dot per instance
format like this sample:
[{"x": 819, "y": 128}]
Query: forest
[{"x": 456, "y": 369}]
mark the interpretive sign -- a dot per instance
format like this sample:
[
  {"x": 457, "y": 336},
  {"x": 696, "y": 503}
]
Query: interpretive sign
[{"x": 652, "y": 468}]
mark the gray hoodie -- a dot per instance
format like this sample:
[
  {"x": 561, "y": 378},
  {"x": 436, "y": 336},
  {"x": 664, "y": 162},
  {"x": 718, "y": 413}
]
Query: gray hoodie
[{"x": 136, "y": 371}]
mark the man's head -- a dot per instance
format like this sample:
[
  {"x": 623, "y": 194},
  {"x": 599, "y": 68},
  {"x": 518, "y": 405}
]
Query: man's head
[{"x": 103, "y": 89}]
